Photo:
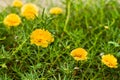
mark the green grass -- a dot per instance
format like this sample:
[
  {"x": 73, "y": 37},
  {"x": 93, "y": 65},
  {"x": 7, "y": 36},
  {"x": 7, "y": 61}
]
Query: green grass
[{"x": 81, "y": 25}]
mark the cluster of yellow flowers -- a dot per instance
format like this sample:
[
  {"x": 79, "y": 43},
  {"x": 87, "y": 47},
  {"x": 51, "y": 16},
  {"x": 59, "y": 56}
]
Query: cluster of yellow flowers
[
  {"x": 29, "y": 11},
  {"x": 81, "y": 54},
  {"x": 41, "y": 37}
]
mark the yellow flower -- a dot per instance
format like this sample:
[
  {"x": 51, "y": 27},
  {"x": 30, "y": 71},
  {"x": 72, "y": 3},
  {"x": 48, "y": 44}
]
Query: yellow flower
[
  {"x": 41, "y": 37},
  {"x": 106, "y": 27},
  {"x": 29, "y": 11},
  {"x": 79, "y": 54},
  {"x": 12, "y": 20},
  {"x": 56, "y": 10},
  {"x": 17, "y": 3},
  {"x": 109, "y": 60}
]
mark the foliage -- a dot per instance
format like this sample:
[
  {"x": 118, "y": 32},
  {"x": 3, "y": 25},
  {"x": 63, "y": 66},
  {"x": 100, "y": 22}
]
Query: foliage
[{"x": 82, "y": 24}]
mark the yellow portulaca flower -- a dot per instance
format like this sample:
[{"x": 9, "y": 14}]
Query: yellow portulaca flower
[
  {"x": 41, "y": 37},
  {"x": 109, "y": 60},
  {"x": 29, "y": 11},
  {"x": 17, "y": 3},
  {"x": 12, "y": 20},
  {"x": 79, "y": 54},
  {"x": 56, "y": 10}
]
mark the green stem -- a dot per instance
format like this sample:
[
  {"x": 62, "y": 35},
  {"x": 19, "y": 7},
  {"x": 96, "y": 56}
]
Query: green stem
[
  {"x": 96, "y": 39},
  {"x": 102, "y": 11},
  {"x": 56, "y": 26},
  {"x": 84, "y": 74},
  {"x": 38, "y": 54},
  {"x": 38, "y": 49},
  {"x": 97, "y": 74},
  {"x": 19, "y": 47},
  {"x": 67, "y": 17}
]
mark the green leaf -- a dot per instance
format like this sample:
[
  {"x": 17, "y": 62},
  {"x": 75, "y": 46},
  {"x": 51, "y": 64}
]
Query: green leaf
[
  {"x": 2, "y": 38},
  {"x": 114, "y": 43}
]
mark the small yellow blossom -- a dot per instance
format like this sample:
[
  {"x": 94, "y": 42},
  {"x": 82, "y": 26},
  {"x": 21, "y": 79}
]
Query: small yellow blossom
[
  {"x": 56, "y": 10},
  {"x": 109, "y": 60},
  {"x": 29, "y": 11},
  {"x": 41, "y": 37},
  {"x": 79, "y": 54},
  {"x": 17, "y": 3},
  {"x": 12, "y": 20},
  {"x": 106, "y": 27}
]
